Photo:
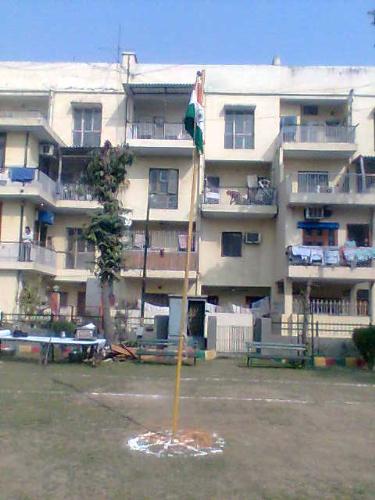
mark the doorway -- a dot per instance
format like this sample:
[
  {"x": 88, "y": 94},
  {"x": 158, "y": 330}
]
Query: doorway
[
  {"x": 81, "y": 303},
  {"x": 360, "y": 233}
]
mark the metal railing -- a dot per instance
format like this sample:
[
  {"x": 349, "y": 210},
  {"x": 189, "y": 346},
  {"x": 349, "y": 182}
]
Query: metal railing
[
  {"x": 333, "y": 307},
  {"x": 14, "y": 251},
  {"x": 74, "y": 191},
  {"x": 166, "y": 250},
  {"x": 318, "y": 133},
  {"x": 80, "y": 260},
  {"x": 333, "y": 183},
  {"x": 239, "y": 196},
  {"x": 331, "y": 256},
  {"x": 158, "y": 260},
  {"x": 24, "y": 114},
  {"x": 158, "y": 240},
  {"x": 149, "y": 130},
  {"x": 57, "y": 190}
]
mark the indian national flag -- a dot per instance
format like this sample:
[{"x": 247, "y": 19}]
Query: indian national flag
[{"x": 194, "y": 118}]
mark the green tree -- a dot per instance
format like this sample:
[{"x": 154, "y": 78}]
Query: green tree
[
  {"x": 105, "y": 174},
  {"x": 30, "y": 297}
]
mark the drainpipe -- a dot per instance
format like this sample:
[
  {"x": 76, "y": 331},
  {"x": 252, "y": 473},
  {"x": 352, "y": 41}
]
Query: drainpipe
[
  {"x": 26, "y": 153},
  {"x": 363, "y": 173},
  {"x": 144, "y": 271},
  {"x": 126, "y": 97}
]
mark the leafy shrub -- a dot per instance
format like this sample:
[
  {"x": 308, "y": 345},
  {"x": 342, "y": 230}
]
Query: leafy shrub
[
  {"x": 63, "y": 326},
  {"x": 364, "y": 340}
]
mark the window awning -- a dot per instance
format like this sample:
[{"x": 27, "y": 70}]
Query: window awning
[{"x": 317, "y": 225}]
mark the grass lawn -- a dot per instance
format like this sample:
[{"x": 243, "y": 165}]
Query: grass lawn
[{"x": 290, "y": 434}]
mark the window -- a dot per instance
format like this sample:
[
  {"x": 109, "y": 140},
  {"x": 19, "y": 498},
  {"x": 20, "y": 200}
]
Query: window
[
  {"x": 163, "y": 188},
  {"x": 80, "y": 253},
  {"x": 313, "y": 182},
  {"x": 231, "y": 244},
  {"x": 87, "y": 127},
  {"x": 319, "y": 237},
  {"x": 2, "y": 151},
  {"x": 239, "y": 129},
  {"x": 310, "y": 110}
]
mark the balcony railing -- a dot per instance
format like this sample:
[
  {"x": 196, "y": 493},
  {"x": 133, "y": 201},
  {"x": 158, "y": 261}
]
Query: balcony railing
[
  {"x": 334, "y": 307},
  {"x": 163, "y": 131},
  {"x": 243, "y": 196},
  {"x": 74, "y": 191},
  {"x": 56, "y": 190},
  {"x": 14, "y": 251},
  {"x": 318, "y": 133},
  {"x": 36, "y": 115},
  {"x": 324, "y": 182},
  {"x": 303, "y": 255},
  {"x": 166, "y": 251},
  {"x": 80, "y": 260}
]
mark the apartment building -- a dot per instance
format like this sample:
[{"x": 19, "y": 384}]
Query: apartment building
[{"x": 285, "y": 198}]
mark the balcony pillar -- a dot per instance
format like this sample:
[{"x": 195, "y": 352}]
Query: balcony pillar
[
  {"x": 353, "y": 300},
  {"x": 288, "y": 297},
  {"x": 372, "y": 303}
]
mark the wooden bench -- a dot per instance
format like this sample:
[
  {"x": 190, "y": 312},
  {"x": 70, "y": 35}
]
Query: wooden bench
[
  {"x": 164, "y": 348},
  {"x": 295, "y": 354}
]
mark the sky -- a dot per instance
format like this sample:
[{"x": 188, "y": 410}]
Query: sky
[{"x": 301, "y": 32}]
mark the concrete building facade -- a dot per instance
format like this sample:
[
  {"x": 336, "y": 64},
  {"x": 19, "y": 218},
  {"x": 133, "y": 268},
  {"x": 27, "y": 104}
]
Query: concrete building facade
[{"x": 286, "y": 191}]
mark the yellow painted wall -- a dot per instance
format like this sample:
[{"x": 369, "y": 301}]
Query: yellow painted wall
[
  {"x": 10, "y": 220},
  {"x": 135, "y": 196},
  {"x": 113, "y": 114},
  {"x": 254, "y": 268},
  {"x": 266, "y": 126},
  {"x": 8, "y": 293}
]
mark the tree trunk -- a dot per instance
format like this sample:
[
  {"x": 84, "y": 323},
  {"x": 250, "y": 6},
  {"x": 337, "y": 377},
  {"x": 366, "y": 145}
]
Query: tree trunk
[{"x": 109, "y": 331}]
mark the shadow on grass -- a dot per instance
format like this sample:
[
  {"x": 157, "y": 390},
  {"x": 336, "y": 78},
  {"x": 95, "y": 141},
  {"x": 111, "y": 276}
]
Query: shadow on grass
[{"x": 102, "y": 405}]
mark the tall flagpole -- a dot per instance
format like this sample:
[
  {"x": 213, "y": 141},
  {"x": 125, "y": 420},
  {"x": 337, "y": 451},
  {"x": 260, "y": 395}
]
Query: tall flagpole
[{"x": 184, "y": 303}]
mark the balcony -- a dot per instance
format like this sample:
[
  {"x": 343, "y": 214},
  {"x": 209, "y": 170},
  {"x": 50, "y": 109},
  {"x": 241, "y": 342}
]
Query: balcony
[
  {"x": 324, "y": 188},
  {"x": 318, "y": 141},
  {"x": 332, "y": 307},
  {"x": 21, "y": 256},
  {"x": 164, "y": 138},
  {"x": 345, "y": 264},
  {"x": 75, "y": 196},
  {"x": 75, "y": 266},
  {"x": 166, "y": 255},
  {"x": 19, "y": 182},
  {"x": 239, "y": 202},
  {"x": 29, "y": 121}
]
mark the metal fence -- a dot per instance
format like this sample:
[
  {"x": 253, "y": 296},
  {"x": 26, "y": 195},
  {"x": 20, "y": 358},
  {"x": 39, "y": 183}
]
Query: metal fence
[
  {"x": 318, "y": 133},
  {"x": 164, "y": 130},
  {"x": 239, "y": 196}
]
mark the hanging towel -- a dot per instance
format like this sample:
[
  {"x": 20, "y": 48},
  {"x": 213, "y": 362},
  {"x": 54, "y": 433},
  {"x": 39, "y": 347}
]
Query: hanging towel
[
  {"x": 21, "y": 174},
  {"x": 316, "y": 255},
  {"x": 331, "y": 257},
  {"x": 182, "y": 242},
  {"x": 139, "y": 240},
  {"x": 301, "y": 252}
]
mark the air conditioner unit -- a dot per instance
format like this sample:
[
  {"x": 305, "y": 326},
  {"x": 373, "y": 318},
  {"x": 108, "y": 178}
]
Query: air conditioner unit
[
  {"x": 46, "y": 149},
  {"x": 314, "y": 213},
  {"x": 252, "y": 238}
]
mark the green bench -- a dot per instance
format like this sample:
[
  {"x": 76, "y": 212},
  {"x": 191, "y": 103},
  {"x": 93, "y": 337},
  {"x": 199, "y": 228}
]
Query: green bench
[
  {"x": 164, "y": 349},
  {"x": 295, "y": 354}
]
